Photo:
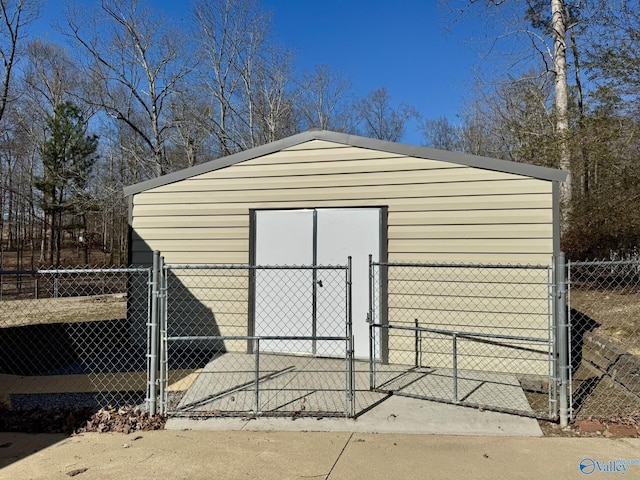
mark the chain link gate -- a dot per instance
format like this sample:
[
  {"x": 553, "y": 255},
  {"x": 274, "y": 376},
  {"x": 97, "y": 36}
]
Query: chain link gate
[
  {"x": 240, "y": 340},
  {"x": 474, "y": 335},
  {"x": 604, "y": 311}
]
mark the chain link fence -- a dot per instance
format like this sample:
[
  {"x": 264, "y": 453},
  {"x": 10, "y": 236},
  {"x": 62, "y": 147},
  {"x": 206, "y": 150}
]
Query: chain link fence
[
  {"x": 243, "y": 340},
  {"x": 604, "y": 312},
  {"x": 73, "y": 338},
  {"x": 249, "y": 340},
  {"x": 476, "y": 335}
]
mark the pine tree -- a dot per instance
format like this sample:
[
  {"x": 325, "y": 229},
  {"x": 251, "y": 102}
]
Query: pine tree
[{"x": 68, "y": 155}]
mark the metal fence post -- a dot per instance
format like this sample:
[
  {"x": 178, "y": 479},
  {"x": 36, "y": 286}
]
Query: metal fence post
[
  {"x": 561, "y": 327},
  {"x": 350, "y": 348},
  {"x": 372, "y": 360},
  {"x": 454, "y": 339},
  {"x": 256, "y": 380},
  {"x": 152, "y": 364},
  {"x": 417, "y": 341},
  {"x": 163, "y": 361}
]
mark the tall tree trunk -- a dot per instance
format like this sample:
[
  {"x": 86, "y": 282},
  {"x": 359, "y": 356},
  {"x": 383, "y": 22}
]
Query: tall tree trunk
[
  {"x": 559, "y": 28},
  {"x": 584, "y": 152}
]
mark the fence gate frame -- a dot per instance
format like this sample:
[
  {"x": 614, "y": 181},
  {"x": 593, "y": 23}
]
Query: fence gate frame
[
  {"x": 556, "y": 341},
  {"x": 161, "y": 339}
]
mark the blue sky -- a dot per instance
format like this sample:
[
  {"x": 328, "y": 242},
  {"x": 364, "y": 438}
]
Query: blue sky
[{"x": 404, "y": 46}]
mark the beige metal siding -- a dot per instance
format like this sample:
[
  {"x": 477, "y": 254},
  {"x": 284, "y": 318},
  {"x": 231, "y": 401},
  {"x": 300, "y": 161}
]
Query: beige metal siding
[
  {"x": 437, "y": 211},
  {"x": 470, "y": 300}
]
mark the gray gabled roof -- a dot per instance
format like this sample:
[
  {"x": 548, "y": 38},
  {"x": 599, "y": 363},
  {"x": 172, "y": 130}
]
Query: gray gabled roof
[{"x": 354, "y": 141}]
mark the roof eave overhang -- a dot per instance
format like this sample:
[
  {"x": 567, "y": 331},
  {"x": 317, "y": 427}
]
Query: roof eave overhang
[{"x": 487, "y": 163}]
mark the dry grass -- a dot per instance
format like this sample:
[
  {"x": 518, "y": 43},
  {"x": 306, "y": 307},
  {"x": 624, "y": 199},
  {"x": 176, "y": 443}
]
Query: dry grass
[
  {"x": 618, "y": 314},
  {"x": 16, "y": 313}
]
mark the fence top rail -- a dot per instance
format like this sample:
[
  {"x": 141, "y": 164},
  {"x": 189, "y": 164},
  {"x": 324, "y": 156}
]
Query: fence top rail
[
  {"x": 58, "y": 271},
  {"x": 602, "y": 263},
  {"x": 93, "y": 270},
  {"x": 189, "y": 338},
  {"x": 254, "y": 267},
  {"x": 463, "y": 265},
  {"x": 458, "y": 333}
]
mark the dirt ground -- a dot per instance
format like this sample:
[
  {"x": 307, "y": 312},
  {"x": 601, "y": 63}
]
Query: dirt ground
[
  {"x": 16, "y": 313},
  {"x": 616, "y": 313}
]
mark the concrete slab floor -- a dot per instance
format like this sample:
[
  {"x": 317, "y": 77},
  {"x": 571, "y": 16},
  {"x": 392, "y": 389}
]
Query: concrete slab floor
[
  {"x": 290, "y": 384},
  {"x": 295, "y": 383},
  {"x": 394, "y": 415}
]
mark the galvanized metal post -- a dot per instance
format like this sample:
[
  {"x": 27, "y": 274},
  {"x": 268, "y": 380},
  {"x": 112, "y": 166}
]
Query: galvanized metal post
[
  {"x": 372, "y": 373},
  {"x": 455, "y": 367},
  {"x": 552, "y": 342},
  {"x": 162, "y": 336},
  {"x": 152, "y": 348},
  {"x": 350, "y": 349},
  {"x": 562, "y": 326},
  {"x": 417, "y": 344},
  {"x": 256, "y": 353}
]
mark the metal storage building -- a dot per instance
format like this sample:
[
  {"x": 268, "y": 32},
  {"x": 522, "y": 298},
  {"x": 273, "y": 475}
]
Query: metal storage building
[{"x": 320, "y": 196}]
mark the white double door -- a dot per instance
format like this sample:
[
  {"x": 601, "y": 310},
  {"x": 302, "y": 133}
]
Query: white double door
[{"x": 299, "y": 303}]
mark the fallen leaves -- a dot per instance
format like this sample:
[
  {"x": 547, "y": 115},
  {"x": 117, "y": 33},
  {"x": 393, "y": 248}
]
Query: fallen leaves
[
  {"x": 64, "y": 420},
  {"x": 122, "y": 420}
]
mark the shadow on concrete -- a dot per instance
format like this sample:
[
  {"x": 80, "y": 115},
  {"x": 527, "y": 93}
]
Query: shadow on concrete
[{"x": 18, "y": 446}]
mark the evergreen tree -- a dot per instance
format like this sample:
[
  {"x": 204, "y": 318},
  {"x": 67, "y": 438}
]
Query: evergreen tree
[{"x": 68, "y": 155}]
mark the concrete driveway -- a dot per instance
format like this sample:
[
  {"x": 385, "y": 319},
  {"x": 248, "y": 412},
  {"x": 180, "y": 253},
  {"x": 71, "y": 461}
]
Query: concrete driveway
[{"x": 317, "y": 455}]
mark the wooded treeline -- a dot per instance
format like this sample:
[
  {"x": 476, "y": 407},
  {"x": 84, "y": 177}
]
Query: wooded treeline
[
  {"x": 133, "y": 95},
  {"x": 584, "y": 54}
]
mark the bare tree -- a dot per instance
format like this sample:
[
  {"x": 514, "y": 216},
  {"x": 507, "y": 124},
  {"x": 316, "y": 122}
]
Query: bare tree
[
  {"x": 441, "y": 133},
  {"x": 230, "y": 36},
  {"x": 615, "y": 53},
  {"x": 190, "y": 116},
  {"x": 51, "y": 78},
  {"x": 325, "y": 100},
  {"x": 547, "y": 22},
  {"x": 136, "y": 61},
  {"x": 273, "y": 98},
  {"x": 16, "y": 16},
  {"x": 380, "y": 119}
]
